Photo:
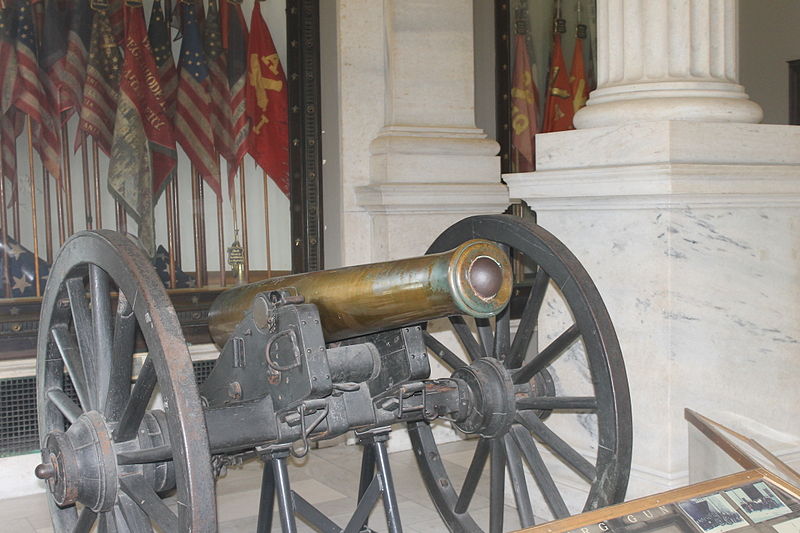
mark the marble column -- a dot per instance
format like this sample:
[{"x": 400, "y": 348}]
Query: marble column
[
  {"x": 667, "y": 60},
  {"x": 685, "y": 213},
  {"x": 429, "y": 164}
]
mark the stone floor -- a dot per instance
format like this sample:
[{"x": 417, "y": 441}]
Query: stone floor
[{"x": 327, "y": 478}]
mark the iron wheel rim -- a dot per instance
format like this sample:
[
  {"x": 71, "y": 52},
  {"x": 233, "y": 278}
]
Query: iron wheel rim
[
  {"x": 114, "y": 260},
  {"x": 604, "y": 358}
]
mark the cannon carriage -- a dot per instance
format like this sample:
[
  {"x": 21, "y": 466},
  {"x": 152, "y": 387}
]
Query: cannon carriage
[{"x": 313, "y": 356}]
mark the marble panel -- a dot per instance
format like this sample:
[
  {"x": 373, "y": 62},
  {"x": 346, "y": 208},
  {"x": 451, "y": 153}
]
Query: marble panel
[{"x": 699, "y": 266}]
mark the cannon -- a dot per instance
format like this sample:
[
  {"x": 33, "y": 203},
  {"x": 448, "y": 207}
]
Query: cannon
[{"x": 313, "y": 356}]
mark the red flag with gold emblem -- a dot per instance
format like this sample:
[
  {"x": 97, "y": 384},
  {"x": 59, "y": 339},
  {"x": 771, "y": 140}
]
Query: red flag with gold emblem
[
  {"x": 267, "y": 103},
  {"x": 523, "y": 109},
  {"x": 558, "y": 110},
  {"x": 578, "y": 80}
]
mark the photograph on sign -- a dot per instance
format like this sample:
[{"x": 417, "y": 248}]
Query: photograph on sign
[
  {"x": 712, "y": 514},
  {"x": 758, "y": 502}
]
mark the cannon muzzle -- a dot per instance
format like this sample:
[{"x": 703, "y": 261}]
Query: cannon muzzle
[{"x": 473, "y": 279}]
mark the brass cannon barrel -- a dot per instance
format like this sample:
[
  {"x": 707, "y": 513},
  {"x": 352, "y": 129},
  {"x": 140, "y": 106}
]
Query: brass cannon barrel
[{"x": 473, "y": 279}]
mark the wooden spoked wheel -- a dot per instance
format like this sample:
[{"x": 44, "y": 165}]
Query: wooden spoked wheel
[
  {"x": 570, "y": 417},
  {"x": 103, "y": 456}
]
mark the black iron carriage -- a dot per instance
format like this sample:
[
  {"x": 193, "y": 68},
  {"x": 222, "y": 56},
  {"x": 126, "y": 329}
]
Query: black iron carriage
[{"x": 314, "y": 356}]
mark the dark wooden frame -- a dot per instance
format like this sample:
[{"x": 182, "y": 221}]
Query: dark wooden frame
[
  {"x": 502, "y": 50},
  {"x": 305, "y": 134},
  {"x": 19, "y": 317},
  {"x": 794, "y": 92}
]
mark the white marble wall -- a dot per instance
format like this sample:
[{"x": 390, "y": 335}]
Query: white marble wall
[
  {"x": 690, "y": 231},
  {"x": 412, "y": 160}
]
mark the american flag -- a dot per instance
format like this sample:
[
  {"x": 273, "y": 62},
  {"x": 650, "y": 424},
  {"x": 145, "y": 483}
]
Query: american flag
[
  {"x": 11, "y": 126},
  {"x": 116, "y": 18},
  {"x": 159, "y": 36},
  {"x": 8, "y": 114},
  {"x": 101, "y": 89},
  {"x": 80, "y": 28},
  {"x": 30, "y": 95},
  {"x": 8, "y": 58},
  {"x": 53, "y": 53},
  {"x": 21, "y": 270},
  {"x": 237, "y": 82},
  {"x": 178, "y": 14},
  {"x": 218, "y": 87},
  {"x": 192, "y": 118}
]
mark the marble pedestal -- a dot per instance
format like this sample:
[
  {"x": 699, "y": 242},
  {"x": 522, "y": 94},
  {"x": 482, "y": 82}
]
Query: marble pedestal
[{"x": 691, "y": 232}]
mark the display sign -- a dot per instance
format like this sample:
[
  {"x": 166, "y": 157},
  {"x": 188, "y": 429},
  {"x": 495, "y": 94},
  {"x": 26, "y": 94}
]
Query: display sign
[{"x": 747, "y": 502}]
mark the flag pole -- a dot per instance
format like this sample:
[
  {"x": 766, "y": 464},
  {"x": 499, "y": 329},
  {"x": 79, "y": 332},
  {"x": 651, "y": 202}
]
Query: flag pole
[
  {"x": 266, "y": 223},
  {"x": 4, "y": 235},
  {"x": 199, "y": 229},
  {"x": 235, "y": 252},
  {"x": 170, "y": 232},
  {"x": 98, "y": 210},
  {"x": 220, "y": 234},
  {"x": 201, "y": 202},
  {"x": 15, "y": 209},
  {"x": 243, "y": 203},
  {"x": 122, "y": 221},
  {"x": 59, "y": 204},
  {"x": 196, "y": 230},
  {"x": 48, "y": 223},
  {"x": 67, "y": 179},
  {"x": 176, "y": 222},
  {"x": 87, "y": 191},
  {"x": 33, "y": 207}
]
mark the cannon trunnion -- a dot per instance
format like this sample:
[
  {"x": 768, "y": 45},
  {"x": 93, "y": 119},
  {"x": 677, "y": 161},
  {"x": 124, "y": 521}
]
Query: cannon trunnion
[{"x": 313, "y": 356}]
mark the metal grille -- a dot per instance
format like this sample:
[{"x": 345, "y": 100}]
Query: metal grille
[{"x": 19, "y": 430}]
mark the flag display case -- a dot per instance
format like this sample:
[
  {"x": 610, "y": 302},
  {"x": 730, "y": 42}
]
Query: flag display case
[
  {"x": 746, "y": 502},
  {"x": 75, "y": 78},
  {"x": 544, "y": 61}
]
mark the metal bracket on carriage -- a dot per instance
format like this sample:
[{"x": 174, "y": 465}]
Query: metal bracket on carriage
[{"x": 298, "y": 417}]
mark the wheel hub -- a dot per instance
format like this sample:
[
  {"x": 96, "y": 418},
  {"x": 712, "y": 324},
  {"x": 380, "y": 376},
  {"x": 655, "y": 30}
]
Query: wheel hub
[
  {"x": 492, "y": 394},
  {"x": 540, "y": 385},
  {"x": 80, "y": 465}
]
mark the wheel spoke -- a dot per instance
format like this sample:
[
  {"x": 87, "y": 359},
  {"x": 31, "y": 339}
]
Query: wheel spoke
[
  {"x": 64, "y": 404},
  {"x": 84, "y": 331},
  {"x": 502, "y": 334},
  {"x": 527, "y": 323},
  {"x": 85, "y": 521},
  {"x": 547, "y": 356},
  {"x": 540, "y": 472},
  {"x": 572, "y": 403},
  {"x": 72, "y": 360},
  {"x": 485, "y": 335},
  {"x": 443, "y": 352},
  {"x": 474, "y": 350},
  {"x": 557, "y": 445},
  {"x": 147, "y": 455},
  {"x": 497, "y": 474},
  {"x": 137, "y": 403},
  {"x": 145, "y": 497},
  {"x": 130, "y": 517},
  {"x": 108, "y": 523},
  {"x": 99, "y": 287},
  {"x": 518, "y": 483},
  {"x": 119, "y": 387},
  {"x": 473, "y": 476}
]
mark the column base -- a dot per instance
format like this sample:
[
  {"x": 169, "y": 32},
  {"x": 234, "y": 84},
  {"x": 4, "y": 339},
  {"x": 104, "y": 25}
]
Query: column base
[
  {"x": 695, "y": 101},
  {"x": 690, "y": 231},
  {"x": 419, "y": 154},
  {"x": 407, "y": 217}
]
